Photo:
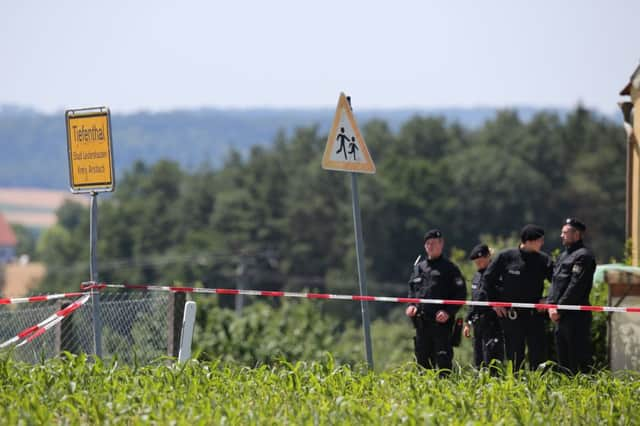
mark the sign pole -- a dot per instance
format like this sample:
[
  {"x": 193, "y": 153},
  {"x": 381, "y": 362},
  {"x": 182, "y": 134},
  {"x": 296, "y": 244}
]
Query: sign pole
[
  {"x": 91, "y": 171},
  {"x": 362, "y": 279},
  {"x": 93, "y": 272},
  {"x": 346, "y": 151}
]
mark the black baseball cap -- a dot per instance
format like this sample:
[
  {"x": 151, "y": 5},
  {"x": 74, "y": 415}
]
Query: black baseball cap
[
  {"x": 481, "y": 250},
  {"x": 531, "y": 232},
  {"x": 433, "y": 233},
  {"x": 575, "y": 223}
]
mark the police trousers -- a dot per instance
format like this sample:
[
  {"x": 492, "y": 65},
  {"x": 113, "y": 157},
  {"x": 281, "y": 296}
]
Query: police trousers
[
  {"x": 432, "y": 344},
  {"x": 528, "y": 328},
  {"x": 488, "y": 341},
  {"x": 573, "y": 341}
]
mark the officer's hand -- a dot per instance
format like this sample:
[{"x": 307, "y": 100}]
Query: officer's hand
[
  {"x": 500, "y": 311},
  {"x": 554, "y": 315},
  {"x": 466, "y": 330},
  {"x": 442, "y": 317},
  {"x": 411, "y": 311}
]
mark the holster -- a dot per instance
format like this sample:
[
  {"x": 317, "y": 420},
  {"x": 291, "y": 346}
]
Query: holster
[
  {"x": 418, "y": 320},
  {"x": 456, "y": 332}
]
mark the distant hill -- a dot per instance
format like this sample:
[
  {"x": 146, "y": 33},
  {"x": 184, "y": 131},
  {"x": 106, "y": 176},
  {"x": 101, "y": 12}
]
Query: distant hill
[{"x": 33, "y": 152}]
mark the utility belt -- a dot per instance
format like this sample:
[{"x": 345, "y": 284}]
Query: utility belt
[
  {"x": 478, "y": 320},
  {"x": 515, "y": 313},
  {"x": 423, "y": 317},
  {"x": 420, "y": 321}
]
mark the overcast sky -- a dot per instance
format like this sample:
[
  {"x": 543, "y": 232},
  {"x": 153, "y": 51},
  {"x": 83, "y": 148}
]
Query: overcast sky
[{"x": 159, "y": 55}]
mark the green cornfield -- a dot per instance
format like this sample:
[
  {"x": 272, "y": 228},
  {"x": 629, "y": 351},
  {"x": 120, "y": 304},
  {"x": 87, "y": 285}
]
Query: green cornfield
[{"x": 76, "y": 389}]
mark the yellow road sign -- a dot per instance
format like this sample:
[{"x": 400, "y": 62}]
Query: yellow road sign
[
  {"x": 346, "y": 150},
  {"x": 90, "y": 151}
]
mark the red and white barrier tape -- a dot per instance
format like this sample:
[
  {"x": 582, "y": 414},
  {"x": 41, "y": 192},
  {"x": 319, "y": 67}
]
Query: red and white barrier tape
[
  {"x": 229, "y": 291},
  {"x": 28, "y": 334},
  {"x": 43, "y": 298}
]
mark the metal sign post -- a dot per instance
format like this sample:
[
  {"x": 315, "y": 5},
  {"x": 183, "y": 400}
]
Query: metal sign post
[
  {"x": 91, "y": 171},
  {"x": 93, "y": 273},
  {"x": 346, "y": 151},
  {"x": 362, "y": 279}
]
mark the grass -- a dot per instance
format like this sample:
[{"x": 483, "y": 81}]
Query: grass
[{"x": 78, "y": 390}]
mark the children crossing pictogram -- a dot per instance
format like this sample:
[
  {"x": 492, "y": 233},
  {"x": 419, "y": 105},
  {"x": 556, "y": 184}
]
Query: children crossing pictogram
[
  {"x": 341, "y": 138},
  {"x": 346, "y": 150}
]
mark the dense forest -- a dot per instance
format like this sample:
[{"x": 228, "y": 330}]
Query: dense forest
[{"x": 275, "y": 219}]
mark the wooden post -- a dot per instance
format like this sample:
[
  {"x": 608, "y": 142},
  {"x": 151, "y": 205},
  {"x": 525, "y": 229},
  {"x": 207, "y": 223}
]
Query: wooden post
[
  {"x": 66, "y": 336},
  {"x": 174, "y": 322},
  {"x": 3, "y": 272}
]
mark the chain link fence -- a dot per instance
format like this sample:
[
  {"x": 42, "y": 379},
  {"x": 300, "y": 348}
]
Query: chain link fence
[{"x": 137, "y": 327}]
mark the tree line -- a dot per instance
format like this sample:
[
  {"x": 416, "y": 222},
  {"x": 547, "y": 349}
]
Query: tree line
[
  {"x": 273, "y": 218},
  {"x": 36, "y": 142}
]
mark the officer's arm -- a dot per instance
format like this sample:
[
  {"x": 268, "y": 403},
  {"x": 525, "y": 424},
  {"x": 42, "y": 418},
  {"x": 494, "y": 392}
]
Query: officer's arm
[
  {"x": 581, "y": 277},
  {"x": 470, "y": 312},
  {"x": 491, "y": 277},
  {"x": 471, "y": 309},
  {"x": 415, "y": 273},
  {"x": 467, "y": 318},
  {"x": 552, "y": 296},
  {"x": 459, "y": 292},
  {"x": 549, "y": 269}
]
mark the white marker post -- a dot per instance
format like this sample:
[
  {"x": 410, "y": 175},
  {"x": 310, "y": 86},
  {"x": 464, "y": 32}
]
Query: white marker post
[{"x": 186, "y": 334}]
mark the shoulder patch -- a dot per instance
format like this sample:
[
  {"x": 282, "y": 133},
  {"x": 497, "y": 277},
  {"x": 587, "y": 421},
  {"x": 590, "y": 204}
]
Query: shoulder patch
[
  {"x": 459, "y": 282},
  {"x": 576, "y": 269}
]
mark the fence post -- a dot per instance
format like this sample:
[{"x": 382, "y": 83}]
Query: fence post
[
  {"x": 58, "y": 330},
  {"x": 174, "y": 322},
  {"x": 3, "y": 269},
  {"x": 66, "y": 339}
]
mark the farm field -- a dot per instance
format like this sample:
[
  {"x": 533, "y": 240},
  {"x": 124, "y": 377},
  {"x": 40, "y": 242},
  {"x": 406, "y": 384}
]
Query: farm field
[
  {"x": 76, "y": 390},
  {"x": 34, "y": 207},
  {"x": 22, "y": 279}
]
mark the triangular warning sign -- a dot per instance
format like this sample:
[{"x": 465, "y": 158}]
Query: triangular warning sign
[{"x": 346, "y": 150}]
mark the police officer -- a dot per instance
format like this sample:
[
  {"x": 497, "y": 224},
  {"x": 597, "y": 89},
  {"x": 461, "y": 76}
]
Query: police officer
[
  {"x": 571, "y": 285},
  {"x": 436, "y": 277},
  {"x": 517, "y": 275},
  {"x": 488, "y": 344}
]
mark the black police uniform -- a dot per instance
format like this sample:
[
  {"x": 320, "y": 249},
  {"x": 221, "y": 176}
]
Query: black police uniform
[
  {"x": 488, "y": 343},
  {"x": 571, "y": 285},
  {"x": 435, "y": 279},
  {"x": 516, "y": 275}
]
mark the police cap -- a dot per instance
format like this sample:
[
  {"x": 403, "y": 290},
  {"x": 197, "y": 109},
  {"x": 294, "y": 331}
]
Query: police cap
[
  {"x": 433, "y": 233},
  {"x": 531, "y": 232},
  {"x": 575, "y": 223},
  {"x": 481, "y": 250}
]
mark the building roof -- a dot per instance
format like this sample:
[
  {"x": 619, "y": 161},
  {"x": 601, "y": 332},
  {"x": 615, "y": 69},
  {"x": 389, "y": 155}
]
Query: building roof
[
  {"x": 7, "y": 236},
  {"x": 634, "y": 79}
]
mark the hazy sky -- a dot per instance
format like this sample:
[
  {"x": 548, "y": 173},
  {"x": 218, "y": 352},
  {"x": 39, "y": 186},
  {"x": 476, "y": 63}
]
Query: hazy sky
[{"x": 156, "y": 55}]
